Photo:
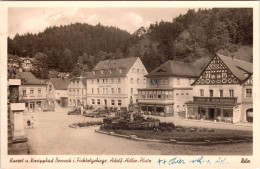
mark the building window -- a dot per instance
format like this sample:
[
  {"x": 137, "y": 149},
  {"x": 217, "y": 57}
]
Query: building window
[
  {"x": 112, "y": 90},
  {"x": 78, "y": 92},
  {"x": 31, "y": 92},
  {"x": 132, "y": 80},
  {"x": 98, "y": 91},
  {"x": 93, "y": 101},
  {"x": 133, "y": 70},
  {"x": 143, "y": 71},
  {"x": 248, "y": 92},
  {"x": 98, "y": 101},
  {"x": 170, "y": 94},
  {"x": 119, "y": 103},
  {"x": 137, "y": 71},
  {"x": 187, "y": 93},
  {"x": 103, "y": 80},
  {"x": 138, "y": 81},
  {"x": 220, "y": 93},
  {"x": 166, "y": 81},
  {"x": 24, "y": 92},
  {"x": 118, "y": 91},
  {"x": 39, "y": 92},
  {"x": 94, "y": 72},
  {"x": 178, "y": 81},
  {"x": 177, "y": 94},
  {"x": 144, "y": 80},
  {"x": 102, "y": 71},
  {"x": 118, "y": 80},
  {"x": 70, "y": 91},
  {"x": 132, "y": 91},
  {"x": 120, "y": 70},
  {"x": 92, "y": 81},
  {"x": 201, "y": 93},
  {"x": 110, "y": 70},
  {"x": 211, "y": 93},
  {"x": 112, "y": 102},
  {"x": 92, "y": 90},
  {"x": 231, "y": 93},
  {"x": 73, "y": 83},
  {"x": 77, "y": 83},
  {"x": 104, "y": 92},
  {"x": 112, "y": 80},
  {"x": 97, "y": 80}
]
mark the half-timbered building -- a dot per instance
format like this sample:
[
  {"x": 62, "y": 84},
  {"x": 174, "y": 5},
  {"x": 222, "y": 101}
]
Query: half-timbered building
[{"x": 223, "y": 91}]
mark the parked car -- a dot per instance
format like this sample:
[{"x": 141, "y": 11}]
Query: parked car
[
  {"x": 98, "y": 113},
  {"x": 74, "y": 112}
]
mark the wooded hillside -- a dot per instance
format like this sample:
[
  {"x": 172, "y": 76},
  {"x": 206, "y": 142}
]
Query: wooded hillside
[{"x": 193, "y": 37}]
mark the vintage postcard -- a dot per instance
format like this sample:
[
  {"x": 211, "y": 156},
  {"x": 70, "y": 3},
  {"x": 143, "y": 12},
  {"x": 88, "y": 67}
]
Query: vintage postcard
[{"x": 129, "y": 84}]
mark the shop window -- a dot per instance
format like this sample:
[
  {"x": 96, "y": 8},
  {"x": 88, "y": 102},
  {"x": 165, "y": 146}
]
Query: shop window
[{"x": 248, "y": 92}]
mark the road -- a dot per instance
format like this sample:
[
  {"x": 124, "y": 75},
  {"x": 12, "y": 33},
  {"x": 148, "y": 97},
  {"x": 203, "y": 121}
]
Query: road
[{"x": 52, "y": 135}]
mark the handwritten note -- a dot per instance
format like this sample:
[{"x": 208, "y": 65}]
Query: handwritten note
[{"x": 199, "y": 160}]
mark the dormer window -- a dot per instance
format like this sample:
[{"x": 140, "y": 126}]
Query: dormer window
[
  {"x": 120, "y": 70},
  {"x": 133, "y": 70},
  {"x": 110, "y": 70},
  {"x": 102, "y": 71},
  {"x": 94, "y": 72}
]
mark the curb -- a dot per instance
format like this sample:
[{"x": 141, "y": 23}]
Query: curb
[{"x": 173, "y": 141}]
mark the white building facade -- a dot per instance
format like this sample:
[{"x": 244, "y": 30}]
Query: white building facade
[
  {"x": 113, "y": 82},
  {"x": 168, "y": 88}
]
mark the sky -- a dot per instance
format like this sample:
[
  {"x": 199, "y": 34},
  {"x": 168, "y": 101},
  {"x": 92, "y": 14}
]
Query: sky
[{"x": 35, "y": 20}]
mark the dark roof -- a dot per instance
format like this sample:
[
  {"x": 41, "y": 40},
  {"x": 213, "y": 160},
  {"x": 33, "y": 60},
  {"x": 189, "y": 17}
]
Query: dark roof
[
  {"x": 237, "y": 67},
  {"x": 29, "y": 79},
  {"x": 175, "y": 68},
  {"x": 113, "y": 65},
  {"x": 60, "y": 83}
]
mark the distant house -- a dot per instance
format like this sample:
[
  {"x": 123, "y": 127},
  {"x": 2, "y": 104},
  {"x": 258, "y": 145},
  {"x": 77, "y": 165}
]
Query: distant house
[
  {"x": 32, "y": 91},
  {"x": 57, "y": 91},
  {"x": 77, "y": 91},
  {"x": 27, "y": 63}
]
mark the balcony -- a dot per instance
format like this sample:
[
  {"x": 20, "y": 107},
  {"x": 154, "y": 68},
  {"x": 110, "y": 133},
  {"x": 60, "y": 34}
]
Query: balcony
[{"x": 215, "y": 100}]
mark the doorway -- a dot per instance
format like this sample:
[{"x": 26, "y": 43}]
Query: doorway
[
  {"x": 211, "y": 113},
  {"x": 105, "y": 101}
]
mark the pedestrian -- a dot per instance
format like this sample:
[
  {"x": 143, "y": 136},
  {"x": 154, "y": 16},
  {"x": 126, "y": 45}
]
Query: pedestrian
[
  {"x": 28, "y": 123},
  {"x": 32, "y": 121}
]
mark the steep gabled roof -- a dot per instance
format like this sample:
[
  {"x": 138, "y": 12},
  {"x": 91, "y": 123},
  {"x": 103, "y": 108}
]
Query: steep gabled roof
[
  {"x": 175, "y": 68},
  {"x": 29, "y": 79},
  {"x": 60, "y": 83},
  {"x": 114, "y": 65},
  {"x": 237, "y": 67}
]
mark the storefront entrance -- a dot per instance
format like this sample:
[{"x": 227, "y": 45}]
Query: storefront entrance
[
  {"x": 249, "y": 115},
  {"x": 211, "y": 113}
]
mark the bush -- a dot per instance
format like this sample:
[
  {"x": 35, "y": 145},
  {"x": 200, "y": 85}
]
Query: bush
[{"x": 91, "y": 123}]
